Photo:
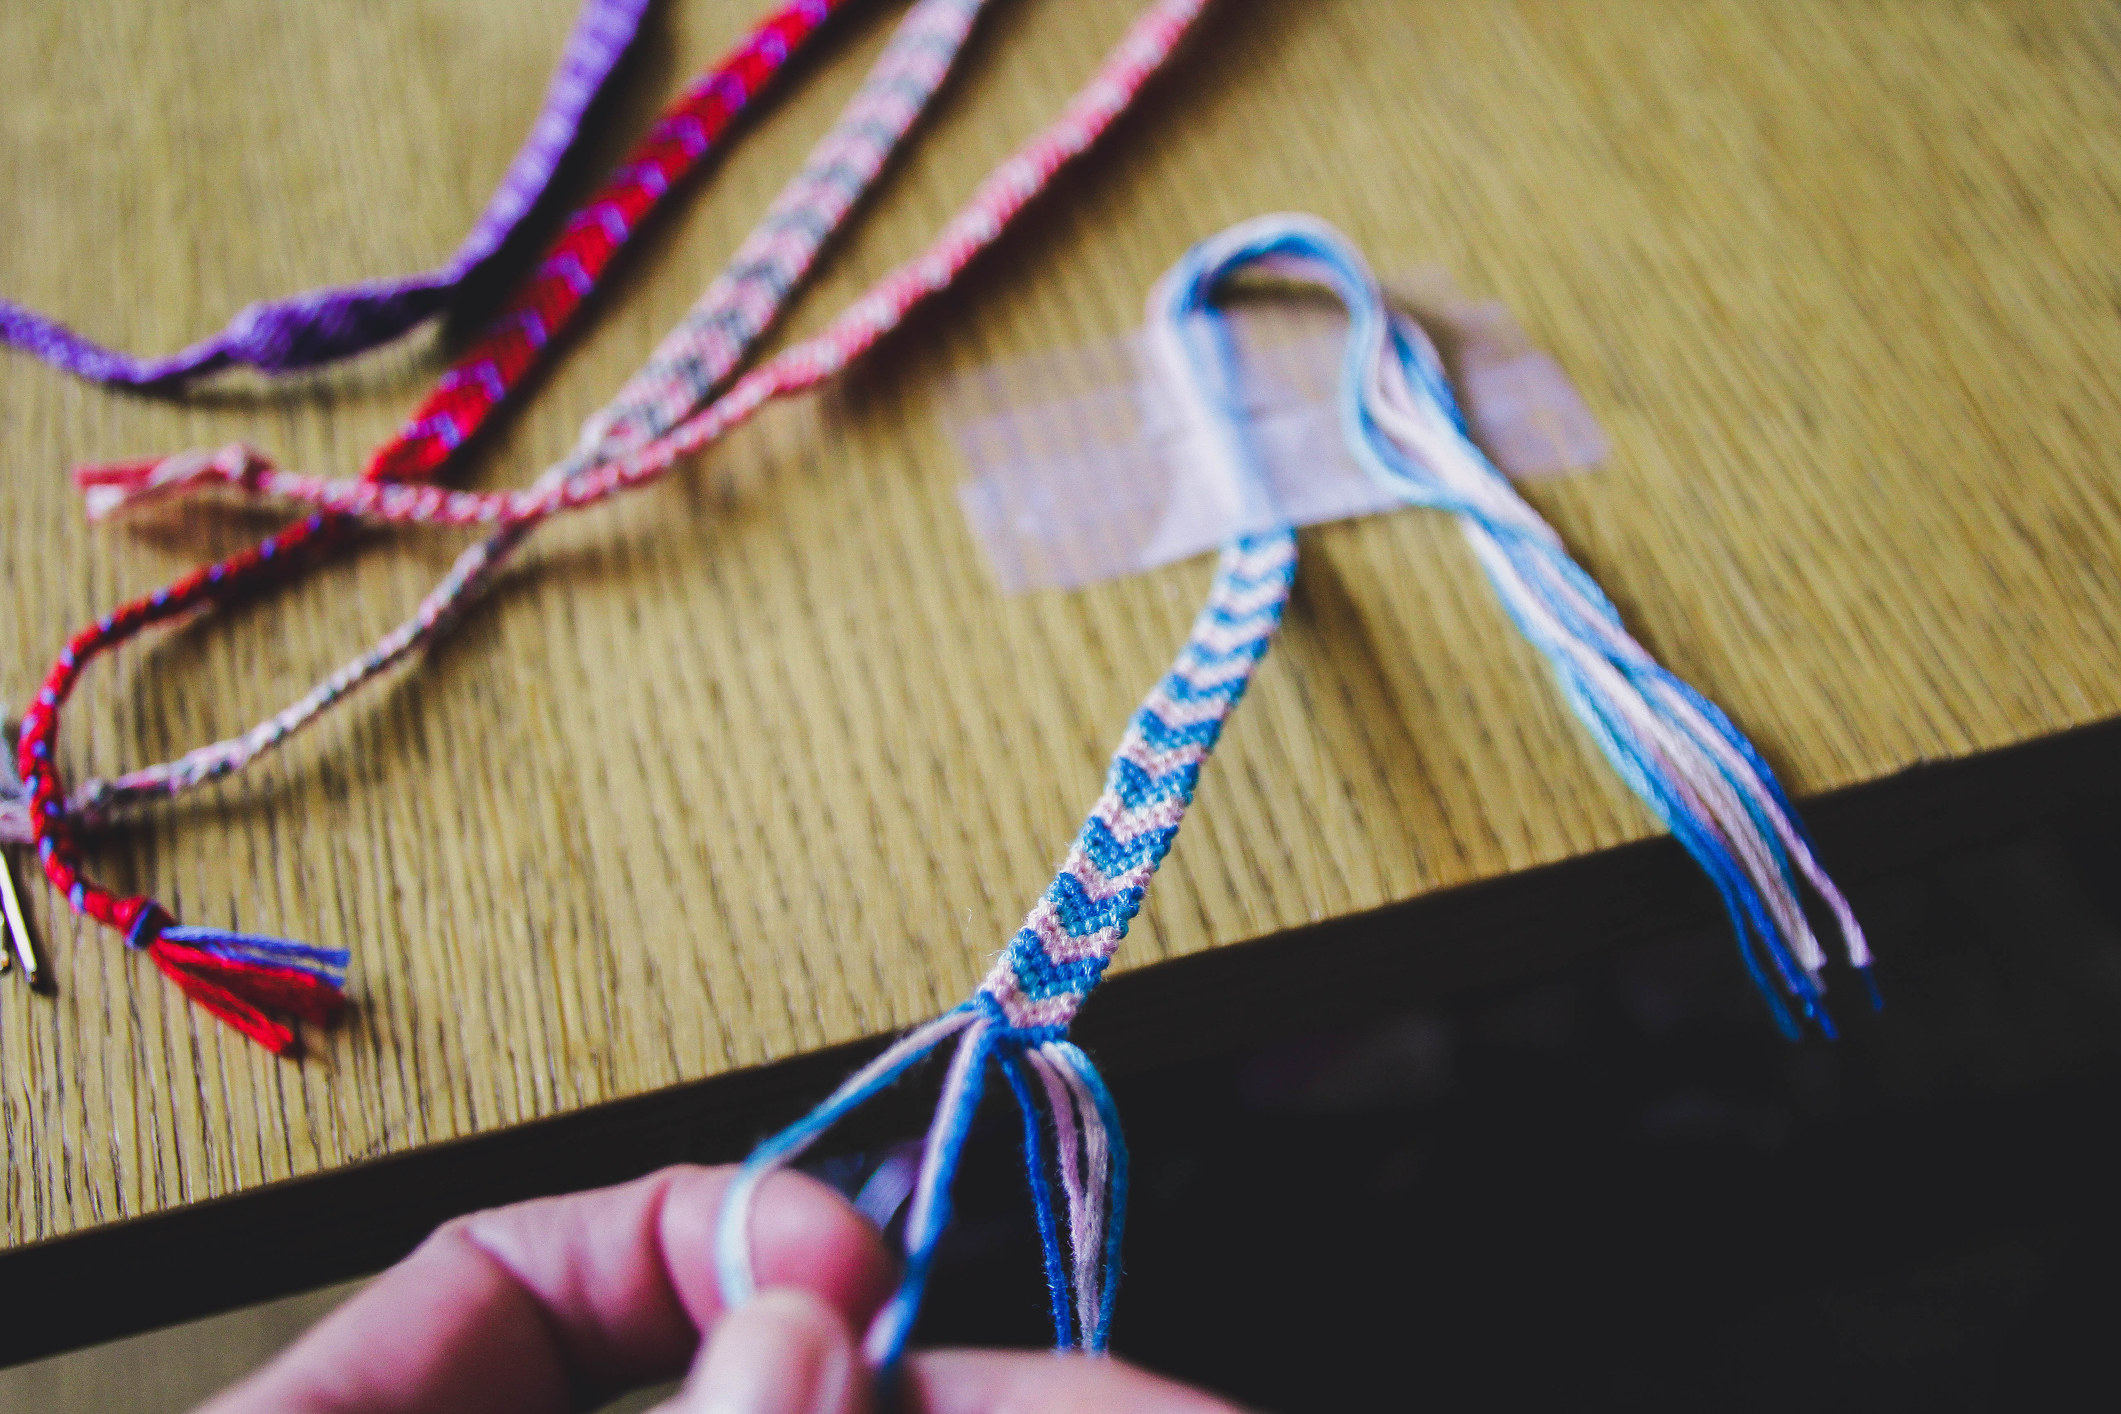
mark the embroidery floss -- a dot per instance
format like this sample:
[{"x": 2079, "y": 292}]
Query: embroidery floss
[
  {"x": 1399, "y": 417},
  {"x": 54, "y": 820},
  {"x": 306, "y": 330}
]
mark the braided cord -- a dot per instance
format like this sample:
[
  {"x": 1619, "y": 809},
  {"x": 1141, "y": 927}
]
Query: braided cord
[
  {"x": 320, "y": 326},
  {"x": 1019, "y": 1016},
  {"x": 621, "y": 461}
]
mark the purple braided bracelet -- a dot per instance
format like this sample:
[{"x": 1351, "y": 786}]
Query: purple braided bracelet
[{"x": 320, "y": 326}]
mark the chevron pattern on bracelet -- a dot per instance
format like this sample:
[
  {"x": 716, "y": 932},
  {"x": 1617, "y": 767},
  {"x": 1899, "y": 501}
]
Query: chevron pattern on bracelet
[{"x": 1065, "y": 944}]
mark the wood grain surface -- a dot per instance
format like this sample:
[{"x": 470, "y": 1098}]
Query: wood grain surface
[{"x": 758, "y": 762}]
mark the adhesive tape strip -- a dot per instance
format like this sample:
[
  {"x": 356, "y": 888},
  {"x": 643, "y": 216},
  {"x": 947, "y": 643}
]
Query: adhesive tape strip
[{"x": 1083, "y": 466}]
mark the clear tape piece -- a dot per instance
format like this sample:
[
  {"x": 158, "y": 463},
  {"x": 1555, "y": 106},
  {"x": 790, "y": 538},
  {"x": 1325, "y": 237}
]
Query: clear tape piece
[{"x": 1083, "y": 468}]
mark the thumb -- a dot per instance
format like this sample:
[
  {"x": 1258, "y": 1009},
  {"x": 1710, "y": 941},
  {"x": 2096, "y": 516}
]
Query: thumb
[{"x": 783, "y": 1352}]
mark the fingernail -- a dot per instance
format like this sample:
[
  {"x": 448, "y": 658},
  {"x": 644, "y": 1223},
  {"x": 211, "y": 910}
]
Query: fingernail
[{"x": 783, "y": 1352}]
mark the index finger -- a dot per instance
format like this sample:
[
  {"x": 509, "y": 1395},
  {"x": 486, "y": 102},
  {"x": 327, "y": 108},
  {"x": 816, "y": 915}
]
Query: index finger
[{"x": 538, "y": 1306}]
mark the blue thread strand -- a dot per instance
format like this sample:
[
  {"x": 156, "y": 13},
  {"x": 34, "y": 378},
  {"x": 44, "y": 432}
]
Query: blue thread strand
[
  {"x": 899, "y": 1312},
  {"x": 260, "y": 944},
  {"x": 1116, "y": 1189},
  {"x": 1041, "y": 1197}
]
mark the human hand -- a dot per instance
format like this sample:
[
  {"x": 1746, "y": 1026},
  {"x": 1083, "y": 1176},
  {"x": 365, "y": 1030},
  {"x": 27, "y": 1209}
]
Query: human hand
[{"x": 556, "y": 1304}]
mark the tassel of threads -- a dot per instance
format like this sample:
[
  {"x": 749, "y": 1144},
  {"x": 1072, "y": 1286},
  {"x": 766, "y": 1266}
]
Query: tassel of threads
[{"x": 247, "y": 980}]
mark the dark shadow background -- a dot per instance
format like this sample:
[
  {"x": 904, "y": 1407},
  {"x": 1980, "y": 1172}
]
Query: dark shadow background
[
  {"x": 1617, "y": 1187},
  {"x": 1605, "y": 1185}
]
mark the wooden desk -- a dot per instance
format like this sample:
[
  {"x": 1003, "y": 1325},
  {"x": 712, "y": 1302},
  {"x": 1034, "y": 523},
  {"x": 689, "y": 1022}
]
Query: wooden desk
[{"x": 756, "y": 766}]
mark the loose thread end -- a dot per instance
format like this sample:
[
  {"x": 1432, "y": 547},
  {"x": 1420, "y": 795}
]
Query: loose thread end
[
  {"x": 246, "y": 980},
  {"x": 111, "y": 487},
  {"x": 1067, "y": 1102},
  {"x": 1090, "y": 1161},
  {"x": 1820, "y": 1017},
  {"x": 1870, "y": 988},
  {"x": 100, "y": 503}
]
